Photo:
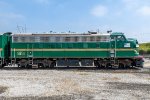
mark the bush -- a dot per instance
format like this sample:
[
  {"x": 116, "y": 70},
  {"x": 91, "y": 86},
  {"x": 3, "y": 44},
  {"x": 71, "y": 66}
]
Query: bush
[
  {"x": 148, "y": 51},
  {"x": 142, "y": 52}
]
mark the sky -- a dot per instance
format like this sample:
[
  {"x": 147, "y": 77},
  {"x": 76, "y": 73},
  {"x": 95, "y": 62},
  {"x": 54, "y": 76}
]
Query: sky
[{"x": 132, "y": 17}]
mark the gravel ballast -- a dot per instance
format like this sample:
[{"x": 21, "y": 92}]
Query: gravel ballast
[{"x": 74, "y": 84}]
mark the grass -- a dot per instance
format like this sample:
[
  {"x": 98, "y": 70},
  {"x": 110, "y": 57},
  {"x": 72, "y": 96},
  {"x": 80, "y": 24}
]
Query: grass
[{"x": 144, "y": 48}]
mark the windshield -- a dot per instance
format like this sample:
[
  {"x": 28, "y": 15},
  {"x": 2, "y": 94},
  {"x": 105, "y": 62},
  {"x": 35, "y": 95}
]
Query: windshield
[{"x": 137, "y": 42}]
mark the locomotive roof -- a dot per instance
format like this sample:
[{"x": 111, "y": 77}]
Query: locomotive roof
[{"x": 60, "y": 34}]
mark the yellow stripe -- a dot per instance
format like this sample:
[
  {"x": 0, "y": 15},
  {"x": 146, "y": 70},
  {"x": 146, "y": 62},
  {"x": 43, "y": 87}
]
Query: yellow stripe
[{"x": 71, "y": 49}]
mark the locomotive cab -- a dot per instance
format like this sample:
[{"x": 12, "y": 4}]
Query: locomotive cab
[
  {"x": 120, "y": 42},
  {"x": 126, "y": 48}
]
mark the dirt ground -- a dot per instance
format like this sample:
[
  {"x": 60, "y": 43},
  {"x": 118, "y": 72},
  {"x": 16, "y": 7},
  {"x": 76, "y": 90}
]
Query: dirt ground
[{"x": 75, "y": 84}]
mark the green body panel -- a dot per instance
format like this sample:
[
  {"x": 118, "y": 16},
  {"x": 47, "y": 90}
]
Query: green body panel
[
  {"x": 4, "y": 46},
  {"x": 125, "y": 48},
  {"x": 61, "y": 54},
  {"x": 70, "y": 50}
]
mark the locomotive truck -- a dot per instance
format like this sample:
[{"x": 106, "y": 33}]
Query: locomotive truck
[{"x": 69, "y": 49}]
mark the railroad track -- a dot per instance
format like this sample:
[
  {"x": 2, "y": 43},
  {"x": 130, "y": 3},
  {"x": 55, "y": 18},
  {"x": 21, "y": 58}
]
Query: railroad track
[{"x": 145, "y": 70}]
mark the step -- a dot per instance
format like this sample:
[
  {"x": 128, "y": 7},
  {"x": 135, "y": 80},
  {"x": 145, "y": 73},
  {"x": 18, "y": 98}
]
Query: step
[{"x": 34, "y": 66}]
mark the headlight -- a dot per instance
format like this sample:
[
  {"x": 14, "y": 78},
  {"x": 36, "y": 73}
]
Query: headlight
[{"x": 137, "y": 46}]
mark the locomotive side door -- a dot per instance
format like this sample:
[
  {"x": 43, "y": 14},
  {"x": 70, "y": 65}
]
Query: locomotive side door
[
  {"x": 37, "y": 50},
  {"x": 116, "y": 43},
  {"x": 40, "y": 52},
  {"x": 113, "y": 50},
  {"x": 112, "y": 47},
  {"x": 30, "y": 50}
]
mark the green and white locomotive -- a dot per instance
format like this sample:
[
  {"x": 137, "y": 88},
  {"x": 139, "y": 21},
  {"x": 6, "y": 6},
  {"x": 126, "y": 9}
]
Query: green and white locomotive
[{"x": 72, "y": 49}]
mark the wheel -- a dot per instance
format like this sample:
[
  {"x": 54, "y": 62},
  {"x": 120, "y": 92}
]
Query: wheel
[
  {"x": 96, "y": 63},
  {"x": 28, "y": 66},
  {"x": 41, "y": 66},
  {"x": 108, "y": 66},
  {"x": 1, "y": 66},
  {"x": 121, "y": 66},
  {"x": 127, "y": 67},
  {"x": 21, "y": 66},
  {"x": 141, "y": 66},
  {"x": 53, "y": 64}
]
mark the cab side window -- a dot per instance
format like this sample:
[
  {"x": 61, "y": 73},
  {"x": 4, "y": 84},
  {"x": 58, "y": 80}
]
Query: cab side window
[{"x": 120, "y": 38}]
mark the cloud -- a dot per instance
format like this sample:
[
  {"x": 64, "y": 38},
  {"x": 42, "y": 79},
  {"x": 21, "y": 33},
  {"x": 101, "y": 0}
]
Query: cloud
[
  {"x": 131, "y": 4},
  {"x": 145, "y": 11},
  {"x": 99, "y": 11},
  {"x": 138, "y": 7}
]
